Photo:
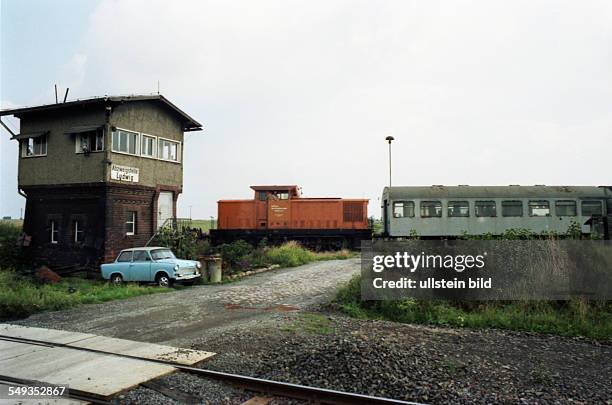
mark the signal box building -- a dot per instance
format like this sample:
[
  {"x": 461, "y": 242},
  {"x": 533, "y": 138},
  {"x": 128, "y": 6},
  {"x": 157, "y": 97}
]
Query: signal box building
[{"x": 98, "y": 175}]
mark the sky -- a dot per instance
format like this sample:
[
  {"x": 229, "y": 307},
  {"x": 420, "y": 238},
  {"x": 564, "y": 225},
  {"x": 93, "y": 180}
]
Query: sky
[{"x": 484, "y": 92}]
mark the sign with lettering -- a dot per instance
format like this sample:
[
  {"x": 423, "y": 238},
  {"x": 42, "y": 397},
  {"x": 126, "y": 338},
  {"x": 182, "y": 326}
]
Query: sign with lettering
[{"x": 124, "y": 173}]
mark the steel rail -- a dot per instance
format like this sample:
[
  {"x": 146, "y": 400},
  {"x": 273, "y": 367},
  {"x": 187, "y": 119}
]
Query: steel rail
[{"x": 318, "y": 395}]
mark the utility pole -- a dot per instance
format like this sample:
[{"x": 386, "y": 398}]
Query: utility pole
[{"x": 389, "y": 139}]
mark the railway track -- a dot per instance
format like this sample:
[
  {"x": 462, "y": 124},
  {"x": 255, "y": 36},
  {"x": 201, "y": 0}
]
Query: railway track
[{"x": 256, "y": 385}]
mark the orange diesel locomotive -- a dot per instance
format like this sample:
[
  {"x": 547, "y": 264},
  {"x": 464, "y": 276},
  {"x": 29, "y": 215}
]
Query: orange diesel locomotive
[{"x": 280, "y": 213}]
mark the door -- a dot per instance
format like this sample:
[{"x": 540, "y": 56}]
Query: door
[
  {"x": 140, "y": 268},
  {"x": 164, "y": 207}
]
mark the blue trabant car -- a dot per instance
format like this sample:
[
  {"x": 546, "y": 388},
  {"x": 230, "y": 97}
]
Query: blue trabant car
[{"x": 151, "y": 264}]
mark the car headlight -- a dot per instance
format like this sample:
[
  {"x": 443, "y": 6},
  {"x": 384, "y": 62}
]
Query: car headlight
[
  {"x": 176, "y": 268},
  {"x": 198, "y": 265}
]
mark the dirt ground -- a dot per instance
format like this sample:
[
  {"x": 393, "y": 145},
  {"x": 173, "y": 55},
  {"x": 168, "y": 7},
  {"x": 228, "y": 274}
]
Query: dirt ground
[{"x": 277, "y": 325}]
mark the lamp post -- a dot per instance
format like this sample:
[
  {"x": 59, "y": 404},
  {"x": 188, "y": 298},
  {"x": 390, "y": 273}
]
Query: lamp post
[{"x": 389, "y": 139}]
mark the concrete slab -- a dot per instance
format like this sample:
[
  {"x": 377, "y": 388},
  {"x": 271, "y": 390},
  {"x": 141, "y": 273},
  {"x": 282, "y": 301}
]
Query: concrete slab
[
  {"x": 98, "y": 374},
  {"x": 153, "y": 351}
]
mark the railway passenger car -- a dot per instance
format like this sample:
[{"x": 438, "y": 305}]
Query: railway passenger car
[
  {"x": 280, "y": 213},
  {"x": 442, "y": 211}
]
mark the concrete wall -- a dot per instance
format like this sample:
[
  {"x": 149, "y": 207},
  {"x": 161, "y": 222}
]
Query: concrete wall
[
  {"x": 61, "y": 165},
  {"x": 151, "y": 119}
]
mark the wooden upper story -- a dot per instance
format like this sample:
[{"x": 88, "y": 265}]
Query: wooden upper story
[{"x": 129, "y": 139}]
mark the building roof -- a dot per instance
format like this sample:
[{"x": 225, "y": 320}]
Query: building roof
[
  {"x": 274, "y": 188},
  {"x": 189, "y": 124},
  {"x": 425, "y": 192}
]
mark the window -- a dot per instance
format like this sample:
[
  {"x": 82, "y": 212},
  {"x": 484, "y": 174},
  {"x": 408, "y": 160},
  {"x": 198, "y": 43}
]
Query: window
[
  {"x": 458, "y": 209},
  {"x": 283, "y": 196},
  {"x": 168, "y": 150},
  {"x": 262, "y": 196},
  {"x": 539, "y": 208},
  {"x": 148, "y": 146},
  {"x": 34, "y": 146},
  {"x": 431, "y": 209},
  {"x": 403, "y": 209},
  {"x": 54, "y": 232},
  {"x": 90, "y": 141},
  {"x": 141, "y": 256},
  {"x": 512, "y": 208},
  {"x": 130, "y": 223},
  {"x": 160, "y": 254},
  {"x": 485, "y": 209},
  {"x": 78, "y": 231},
  {"x": 125, "y": 256},
  {"x": 565, "y": 208},
  {"x": 125, "y": 141},
  {"x": 590, "y": 208}
]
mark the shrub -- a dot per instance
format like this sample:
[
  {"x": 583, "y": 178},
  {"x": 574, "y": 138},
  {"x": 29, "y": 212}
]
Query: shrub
[
  {"x": 289, "y": 254},
  {"x": 235, "y": 254},
  {"x": 10, "y": 252}
]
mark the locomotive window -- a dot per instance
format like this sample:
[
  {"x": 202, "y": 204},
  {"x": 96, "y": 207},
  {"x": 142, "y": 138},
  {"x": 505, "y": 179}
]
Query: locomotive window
[
  {"x": 485, "y": 209},
  {"x": 262, "y": 196},
  {"x": 283, "y": 196},
  {"x": 590, "y": 208},
  {"x": 565, "y": 208},
  {"x": 512, "y": 208},
  {"x": 431, "y": 209},
  {"x": 403, "y": 209},
  {"x": 539, "y": 208},
  {"x": 458, "y": 209}
]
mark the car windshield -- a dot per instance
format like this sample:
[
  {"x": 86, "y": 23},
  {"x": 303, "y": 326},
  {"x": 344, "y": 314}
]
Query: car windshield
[{"x": 159, "y": 254}]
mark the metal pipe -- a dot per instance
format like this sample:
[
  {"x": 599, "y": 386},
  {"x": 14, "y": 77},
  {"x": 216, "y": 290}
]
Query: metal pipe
[
  {"x": 66, "y": 95},
  {"x": 7, "y": 128},
  {"x": 56, "y": 94},
  {"x": 389, "y": 139}
]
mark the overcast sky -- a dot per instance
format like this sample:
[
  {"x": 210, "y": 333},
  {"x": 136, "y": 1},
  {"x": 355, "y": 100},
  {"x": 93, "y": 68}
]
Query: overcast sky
[{"x": 304, "y": 92}]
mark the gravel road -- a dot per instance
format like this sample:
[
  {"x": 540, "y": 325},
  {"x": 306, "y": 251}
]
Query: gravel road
[{"x": 277, "y": 325}]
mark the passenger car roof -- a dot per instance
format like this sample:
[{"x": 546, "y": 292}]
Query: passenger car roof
[{"x": 424, "y": 192}]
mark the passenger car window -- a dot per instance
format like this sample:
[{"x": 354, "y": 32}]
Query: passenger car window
[
  {"x": 485, "y": 209},
  {"x": 458, "y": 209},
  {"x": 590, "y": 208},
  {"x": 431, "y": 209},
  {"x": 125, "y": 257},
  {"x": 565, "y": 208},
  {"x": 512, "y": 208},
  {"x": 539, "y": 208},
  {"x": 160, "y": 254},
  {"x": 403, "y": 209},
  {"x": 141, "y": 256}
]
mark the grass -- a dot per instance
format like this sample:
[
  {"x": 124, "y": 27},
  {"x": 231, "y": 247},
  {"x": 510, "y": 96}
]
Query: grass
[
  {"x": 317, "y": 324},
  {"x": 21, "y": 297},
  {"x": 204, "y": 224},
  {"x": 16, "y": 223},
  {"x": 565, "y": 318}
]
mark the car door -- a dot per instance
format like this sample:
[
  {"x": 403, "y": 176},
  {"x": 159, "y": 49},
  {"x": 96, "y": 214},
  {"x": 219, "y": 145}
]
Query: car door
[{"x": 140, "y": 267}]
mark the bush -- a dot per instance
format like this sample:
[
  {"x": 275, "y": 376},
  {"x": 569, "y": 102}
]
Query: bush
[
  {"x": 289, "y": 254},
  {"x": 184, "y": 243},
  {"x": 236, "y": 254},
  {"x": 10, "y": 252}
]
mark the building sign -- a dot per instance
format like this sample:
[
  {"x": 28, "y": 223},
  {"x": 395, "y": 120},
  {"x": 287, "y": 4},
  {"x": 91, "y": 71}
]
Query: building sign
[{"x": 124, "y": 173}]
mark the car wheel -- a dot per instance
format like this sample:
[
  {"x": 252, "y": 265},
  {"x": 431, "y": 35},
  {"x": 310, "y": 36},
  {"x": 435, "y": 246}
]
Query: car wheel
[
  {"x": 116, "y": 279},
  {"x": 163, "y": 280}
]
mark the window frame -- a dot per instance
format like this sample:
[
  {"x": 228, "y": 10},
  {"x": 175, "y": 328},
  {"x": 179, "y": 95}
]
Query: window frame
[
  {"x": 574, "y": 203},
  {"x": 25, "y": 144},
  {"x": 160, "y": 150},
  {"x": 54, "y": 231},
  {"x": 404, "y": 204},
  {"x": 155, "y": 145},
  {"x": 131, "y": 219},
  {"x": 601, "y": 207},
  {"x": 529, "y": 208},
  {"x": 126, "y": 252},
  {"x": 137, "y": 143},
  {"x": 434, "y": 202},
  {"x": 77, "y": 231},
  {"x": 79, "y": 144},
  {"x": 262, "y": 196},
  {"x": 494, "y": 203},
  {"x": 448, "y": 206},
  {"x": 520, "y": 203}
]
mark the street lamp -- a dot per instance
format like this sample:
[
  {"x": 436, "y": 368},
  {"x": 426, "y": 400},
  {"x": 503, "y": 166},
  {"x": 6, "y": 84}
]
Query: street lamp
[{"x": 389, "y": 139}]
